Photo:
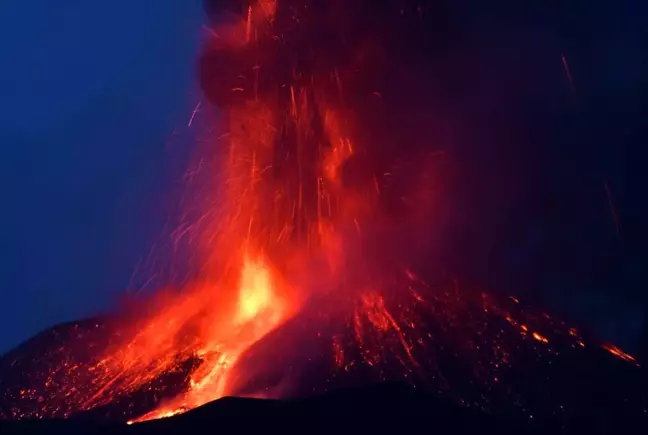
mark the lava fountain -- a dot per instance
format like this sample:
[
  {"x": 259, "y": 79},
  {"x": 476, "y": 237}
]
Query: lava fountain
[{"x": 313, "y": 208}]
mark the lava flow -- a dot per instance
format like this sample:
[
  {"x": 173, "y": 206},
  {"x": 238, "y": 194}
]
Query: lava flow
[
  {"x": 222, "y": 336},
  {"x": 314, "y": 204}
]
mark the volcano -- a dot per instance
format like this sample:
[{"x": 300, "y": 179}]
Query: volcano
[
  {"x": 309, "y": 217},
  {"x": 491, "y": 356}
]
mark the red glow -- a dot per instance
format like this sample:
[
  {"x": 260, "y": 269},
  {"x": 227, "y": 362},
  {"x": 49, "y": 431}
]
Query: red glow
[{"x": 291, "y": 213}]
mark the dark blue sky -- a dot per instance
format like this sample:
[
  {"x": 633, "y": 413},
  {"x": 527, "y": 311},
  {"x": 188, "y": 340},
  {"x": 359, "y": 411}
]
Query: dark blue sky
[{"x": 91, "y": 94}]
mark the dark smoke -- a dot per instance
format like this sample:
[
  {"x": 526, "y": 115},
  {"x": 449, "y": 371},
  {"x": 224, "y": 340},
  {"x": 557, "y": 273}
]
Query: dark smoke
[{"x": 528, "y": 147}]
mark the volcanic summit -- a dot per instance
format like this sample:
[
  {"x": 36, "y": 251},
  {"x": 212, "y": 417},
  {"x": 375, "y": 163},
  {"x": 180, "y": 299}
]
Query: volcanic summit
[{"x": 314, "y": 199}]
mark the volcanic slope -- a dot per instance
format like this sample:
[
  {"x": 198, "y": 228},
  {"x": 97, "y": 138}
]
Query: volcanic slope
[{"x": 490, "y": 355}]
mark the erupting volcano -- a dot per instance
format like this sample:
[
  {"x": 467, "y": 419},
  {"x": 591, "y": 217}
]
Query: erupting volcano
[{"x": 322, "y": 185}]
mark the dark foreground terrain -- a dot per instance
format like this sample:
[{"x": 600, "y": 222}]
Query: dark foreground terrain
[{"x": 386, "y": 408}]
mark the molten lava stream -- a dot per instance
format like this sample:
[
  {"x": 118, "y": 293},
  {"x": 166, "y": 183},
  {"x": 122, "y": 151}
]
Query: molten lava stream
[{"x": 225, "y": 335}]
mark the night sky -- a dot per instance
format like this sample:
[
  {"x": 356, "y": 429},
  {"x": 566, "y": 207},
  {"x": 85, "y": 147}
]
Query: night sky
[
  {"x": 91, "y": 95},
  {"x": 94, "y": 103}
]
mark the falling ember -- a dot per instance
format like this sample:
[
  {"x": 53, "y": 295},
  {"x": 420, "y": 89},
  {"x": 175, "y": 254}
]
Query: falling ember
[
  {"x": 540, "y": 338},
  {"x": 618, "y": 352},
  {"x": 613, "y": 210},
  {"x": 568, "y": 74},
  {"x": 304, "y": 204},
  {"x": 193, "y": 113}
]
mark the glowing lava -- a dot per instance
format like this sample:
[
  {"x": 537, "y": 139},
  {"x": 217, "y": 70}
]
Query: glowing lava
[
  {"x": 301, "y": 214},
  {"x": 258, "y": 310}
]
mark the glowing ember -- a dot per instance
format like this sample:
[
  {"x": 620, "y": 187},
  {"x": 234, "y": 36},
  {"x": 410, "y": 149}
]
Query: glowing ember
[
  {"x": 302, "y": 212},
  {"x": 618, "y": 352}
]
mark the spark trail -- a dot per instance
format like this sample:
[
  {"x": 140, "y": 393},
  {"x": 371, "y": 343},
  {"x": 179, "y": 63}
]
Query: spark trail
[{"x": 304, "y": 204}]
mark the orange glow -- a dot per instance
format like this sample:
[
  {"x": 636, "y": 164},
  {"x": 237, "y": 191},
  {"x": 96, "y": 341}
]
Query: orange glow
[
  {"x": 618, "y": 352},
  {"x": 255, "y": 291},
  {"x": 288, "y": 211},
  {"x": 258, "y": 310},
  {"x": 540, "y": 338}
]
